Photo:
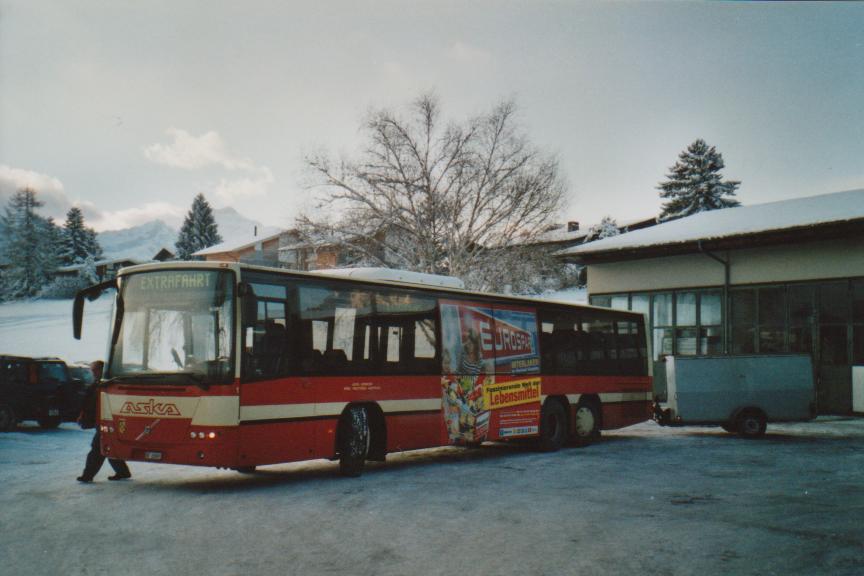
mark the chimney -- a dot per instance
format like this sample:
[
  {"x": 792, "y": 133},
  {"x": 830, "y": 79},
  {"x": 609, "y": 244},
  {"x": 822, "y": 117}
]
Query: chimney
[{"x": 572, "y": 226}]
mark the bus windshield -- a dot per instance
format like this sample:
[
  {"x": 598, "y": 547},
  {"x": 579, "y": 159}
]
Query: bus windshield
[{"x": 174, "y": 327}]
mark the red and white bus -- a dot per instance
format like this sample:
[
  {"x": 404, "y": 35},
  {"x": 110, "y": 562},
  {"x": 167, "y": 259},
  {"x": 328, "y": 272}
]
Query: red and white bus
[{"x": 236, "y": 366}]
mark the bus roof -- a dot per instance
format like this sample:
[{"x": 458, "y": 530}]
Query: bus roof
[{"x": 329, "y": 275}]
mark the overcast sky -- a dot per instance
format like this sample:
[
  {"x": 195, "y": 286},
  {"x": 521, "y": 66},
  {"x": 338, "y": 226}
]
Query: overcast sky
[{"x": 131, "y": 108}]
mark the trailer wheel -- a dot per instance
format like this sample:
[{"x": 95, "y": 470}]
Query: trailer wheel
[
  {"x": 8, "y": 421},
  {"x": 751, "y": 424},
  {"x": 354, "y": 441},
  {"x": 586, "y": 424},
  {"x": 553, "y": 426}
]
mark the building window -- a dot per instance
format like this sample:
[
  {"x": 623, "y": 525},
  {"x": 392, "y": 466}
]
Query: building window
[
  {"x": 663, "y": 325},
  {"x": 772, "y": 320},
  {"x": 801, "y": 315},
  {"x": 833, "y": 303},
  {"x": 710, "y": 323},
  {"x": 641, "y": 303},
  {"x": 833, "y": 317},
  {"x": 743, "y": 319},
  {"x": 685, "y": 323},
  {"x": 619, "y": 302},
  {"x": 604, "y": 301}
]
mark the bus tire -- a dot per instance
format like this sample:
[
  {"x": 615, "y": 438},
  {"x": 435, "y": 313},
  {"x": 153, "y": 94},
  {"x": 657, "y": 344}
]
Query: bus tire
[
  {"x": 553, "y": 426},
  {"x": 586, "y": 425},
  {"x": 354, "y": 440},
  {"x": 751, "y": 423},
  {"x": 8, "y": 420}
]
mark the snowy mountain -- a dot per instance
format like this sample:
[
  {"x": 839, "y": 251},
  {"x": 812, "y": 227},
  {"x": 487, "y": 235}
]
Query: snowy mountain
[
  {"x": 144, "y": 241},
  {"x": 140, "y": 242},
  {"x": 233, "y": 226}
]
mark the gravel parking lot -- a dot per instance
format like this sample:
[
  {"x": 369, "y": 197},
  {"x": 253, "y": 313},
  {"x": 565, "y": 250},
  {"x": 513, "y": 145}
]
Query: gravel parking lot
[{"x": 644, "y": 500}]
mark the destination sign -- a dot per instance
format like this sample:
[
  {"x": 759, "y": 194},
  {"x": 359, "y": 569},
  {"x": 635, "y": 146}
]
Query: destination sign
[{"x": 174, "y": 281}]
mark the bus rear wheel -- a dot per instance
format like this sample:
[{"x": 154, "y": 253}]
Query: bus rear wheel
[
  {"x": 586, "y": 426},
  {"x": 553, "y": 426},
  {"x": 354, "y": 441}
]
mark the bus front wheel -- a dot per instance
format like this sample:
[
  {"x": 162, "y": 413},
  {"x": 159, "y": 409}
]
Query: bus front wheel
[{"x": 354, "y": 441}]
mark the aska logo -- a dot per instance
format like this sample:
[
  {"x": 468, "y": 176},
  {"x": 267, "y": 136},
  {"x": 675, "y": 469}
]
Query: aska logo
[{"x": 150, "y": 408}]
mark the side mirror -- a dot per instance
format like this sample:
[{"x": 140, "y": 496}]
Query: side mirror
[
  {"x": 250, "y": 302},
  {"x": 91, "y": 293}
]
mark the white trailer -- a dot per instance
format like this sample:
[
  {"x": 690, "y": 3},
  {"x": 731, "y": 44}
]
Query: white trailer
[{"x": 740, "y": 393}]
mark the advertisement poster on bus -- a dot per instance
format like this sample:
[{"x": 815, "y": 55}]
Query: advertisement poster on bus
[{"x": 491, "y": 384}]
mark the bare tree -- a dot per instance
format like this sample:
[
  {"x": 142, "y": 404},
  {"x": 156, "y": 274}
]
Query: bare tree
[{"x": 438, "y": 198}]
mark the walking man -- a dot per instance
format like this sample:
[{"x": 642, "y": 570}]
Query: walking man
[{"x": 87, "y": 420}]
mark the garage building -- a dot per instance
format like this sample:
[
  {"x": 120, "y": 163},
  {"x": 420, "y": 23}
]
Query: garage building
[{"x": 774, "y": 278}]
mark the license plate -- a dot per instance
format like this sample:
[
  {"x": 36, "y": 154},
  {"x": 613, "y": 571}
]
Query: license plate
[
  {"x": 152, "y": 455},
  {"x": 53, "y": 412}
]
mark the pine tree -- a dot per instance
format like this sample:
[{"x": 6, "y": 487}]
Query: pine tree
[
  {"x": 79, "y": 242},
  {"x": 199, "y": 229},
  {"x": 31, "y": 247},
  {"x": 94, "y": 249},
  {"x": 52, "y": 246},
  {"x": 695, "y": 184}
]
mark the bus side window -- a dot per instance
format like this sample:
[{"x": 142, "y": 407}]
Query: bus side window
[
  {"x": 408, "y": 325},
  {"x": 604, "y": 347},
  {"x": 424, "y": 339},
  {"x": 267, "y": 353},
  {"x": 333, "y": 325},
  {"x": 563, "y": 343}
]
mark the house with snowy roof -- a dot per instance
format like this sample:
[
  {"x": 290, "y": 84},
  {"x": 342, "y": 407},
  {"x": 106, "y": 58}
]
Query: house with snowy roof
[
  {"x": 283, "y": 249},
  {"x": 774, "y": 278},
  {"x": 252, "y": 249}
]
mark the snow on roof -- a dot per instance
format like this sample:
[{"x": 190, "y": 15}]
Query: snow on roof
[
  {"x": 393, "y": 275},
  {"x": 234, "y": 245},
  {"x": 739, "y": 221},
  {"x": 561, "y": 234}
]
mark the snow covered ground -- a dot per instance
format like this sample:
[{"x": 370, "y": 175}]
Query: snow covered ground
[
  {"x": 644, "y": 500},
  {"x": 44, "y": 328}
]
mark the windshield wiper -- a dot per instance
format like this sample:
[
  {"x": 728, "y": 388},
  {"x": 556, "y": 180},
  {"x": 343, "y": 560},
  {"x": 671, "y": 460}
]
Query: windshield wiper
[{"x": 164, "y": 378}]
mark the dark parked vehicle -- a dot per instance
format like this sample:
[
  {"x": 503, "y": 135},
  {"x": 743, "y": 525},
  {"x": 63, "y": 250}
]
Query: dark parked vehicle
[
  {"x": 82, "y": 372},
  {"x": 40, "y": 389}
]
